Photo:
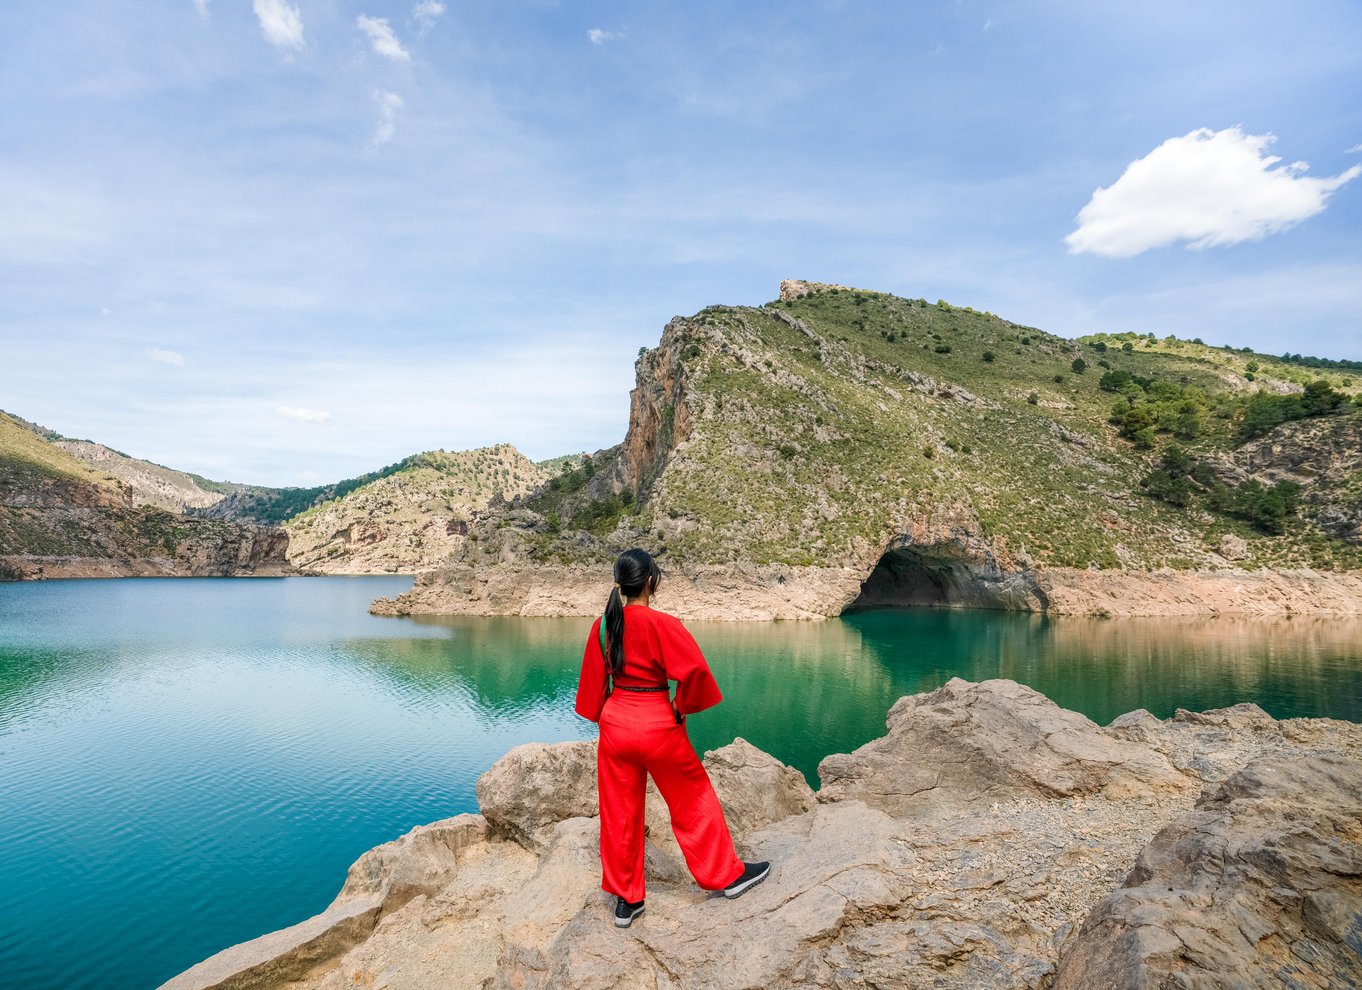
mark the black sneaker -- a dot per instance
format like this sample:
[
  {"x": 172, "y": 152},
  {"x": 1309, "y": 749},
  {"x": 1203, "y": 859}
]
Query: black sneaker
[
  {"x": 625, "y": 913},
  {"x": 752, "y": 874}
]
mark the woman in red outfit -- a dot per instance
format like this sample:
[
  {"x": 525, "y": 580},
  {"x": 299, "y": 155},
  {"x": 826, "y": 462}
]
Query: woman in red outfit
[{"x": 643, "y": 732}]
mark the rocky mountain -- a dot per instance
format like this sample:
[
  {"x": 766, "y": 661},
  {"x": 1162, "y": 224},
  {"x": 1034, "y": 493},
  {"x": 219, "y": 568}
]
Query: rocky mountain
[
  {"x": 64, "y": 516},
  {"x": 150, "y": 484},
  {"x": 989, "y": 839},
  {"x": 413, "y": 518},
  {"x": 840, "y": 447},
  {"x": 405, "y": 517}
]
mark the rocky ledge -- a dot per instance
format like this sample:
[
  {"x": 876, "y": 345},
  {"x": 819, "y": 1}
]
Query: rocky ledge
[{"x": 989, "y": 839}]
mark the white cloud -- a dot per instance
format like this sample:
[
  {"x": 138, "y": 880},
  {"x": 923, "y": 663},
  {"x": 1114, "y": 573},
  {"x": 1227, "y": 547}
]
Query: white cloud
[
  {"x": 599, "y": 36},
  {"x": 164, "y": 356},
  {"x": 1208, "y": 188},
  {"x": 388, "y": 105},
  {"x": 303, "y": 415},
  {"x": 381, "y": 35},
  {"x": 281, "y": 23},
  {"x": 426, "y": 13},
  {"x": 1354, "y": 149},
  {"x": 202, "y": 7}
]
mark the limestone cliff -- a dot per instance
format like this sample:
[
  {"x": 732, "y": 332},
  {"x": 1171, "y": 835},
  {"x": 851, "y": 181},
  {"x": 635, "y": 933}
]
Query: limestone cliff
[
  {"x": 843, "y": 448},
  {"x": 989, "y": 839}
]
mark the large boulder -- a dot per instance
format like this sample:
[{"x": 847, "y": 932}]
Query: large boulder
[
  {"x": 1259, "y": 886},
  {"x": 535, "y": 786},
  {"x": 967, "y": 743}
]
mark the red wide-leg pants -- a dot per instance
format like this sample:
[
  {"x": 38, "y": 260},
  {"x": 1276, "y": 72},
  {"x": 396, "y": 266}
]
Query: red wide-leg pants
[{"x": 639, "y": 736}]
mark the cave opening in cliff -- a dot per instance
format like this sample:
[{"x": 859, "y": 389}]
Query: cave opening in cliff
[{"x": 906, "y": 578}]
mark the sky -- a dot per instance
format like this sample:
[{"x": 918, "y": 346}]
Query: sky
[{"x": 285, "y": 242}]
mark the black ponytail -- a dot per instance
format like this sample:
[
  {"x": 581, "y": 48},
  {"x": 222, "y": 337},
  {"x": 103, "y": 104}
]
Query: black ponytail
[{"x": 635, "y": 570}]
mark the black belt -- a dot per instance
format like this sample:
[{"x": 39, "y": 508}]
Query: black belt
[{"x": 640, "y": 690}]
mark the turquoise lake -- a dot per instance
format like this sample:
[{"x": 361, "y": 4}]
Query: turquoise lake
[{"x": 188, "y": 763}]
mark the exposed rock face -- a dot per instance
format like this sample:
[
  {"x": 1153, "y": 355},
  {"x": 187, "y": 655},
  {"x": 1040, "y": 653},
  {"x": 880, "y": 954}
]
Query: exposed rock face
[
  {"x": 1201, "y": 592},
  {"x": 719, "y": 592},
  {"x": 148, "y": 543},
  {"x": 793, "y": 288},
  {"x": 1035, "y": 819},
  {"x": 1263, "y": 880},
  {"x": 412, "y": 520},
  {"x": 149, "y": 484}
]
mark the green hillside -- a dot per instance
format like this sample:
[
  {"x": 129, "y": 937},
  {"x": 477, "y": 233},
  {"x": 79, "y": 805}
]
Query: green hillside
[{"x": 816, "y": 429}]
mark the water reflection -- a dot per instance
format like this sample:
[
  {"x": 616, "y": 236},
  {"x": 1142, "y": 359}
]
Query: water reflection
[{"x": 198, "y": 760}]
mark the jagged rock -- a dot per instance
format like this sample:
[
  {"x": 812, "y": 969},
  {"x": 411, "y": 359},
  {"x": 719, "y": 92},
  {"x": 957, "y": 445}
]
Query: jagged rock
[
  {"x": 969, "y": 743},
  {"x": 1260, "y": 886}
]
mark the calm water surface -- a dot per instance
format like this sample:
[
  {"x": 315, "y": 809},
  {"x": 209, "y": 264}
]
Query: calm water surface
[{"x": 187, "y": 763}]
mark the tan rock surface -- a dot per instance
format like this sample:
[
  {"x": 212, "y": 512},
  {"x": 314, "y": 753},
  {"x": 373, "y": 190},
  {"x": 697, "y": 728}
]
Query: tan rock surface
[
  {"x": 758, "y": 594},
  {"x": 1039, "y": 816},
  {"x": 412, "y": 520},
  {"x": 723, "y": 593},
  {"x": 1260, "y": 885},
  {"x": 1202, "y": 592},
  {"x": 969, "y": 743}
]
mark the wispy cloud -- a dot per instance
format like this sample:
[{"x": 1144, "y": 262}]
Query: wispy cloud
[
  {"x": 989, "y": 24},
  {"x": 599, "y": 36},
  {"x": 303, "y": 415},
  {"x": 425, "y": 14},
  {"x": 1208, "y": 188},
  {"x": 1355, "y": 149},
  {"x": 202, "y": 7},
  {"x": 381, "y": 36},
  {"x": 281, "y": 23},
  {"x": 164, "y": 356},
  {"x": 388, "y": 105}
]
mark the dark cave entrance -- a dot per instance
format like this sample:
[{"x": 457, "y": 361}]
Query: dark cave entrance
[{"x": 906, "y": 578}]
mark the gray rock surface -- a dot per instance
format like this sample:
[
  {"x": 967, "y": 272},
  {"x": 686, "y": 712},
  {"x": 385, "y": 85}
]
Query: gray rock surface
[{"x": 1260, "y": 885}]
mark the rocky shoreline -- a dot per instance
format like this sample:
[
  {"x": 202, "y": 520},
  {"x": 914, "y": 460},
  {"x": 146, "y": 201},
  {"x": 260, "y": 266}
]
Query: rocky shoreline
[
  {"x": 754, "y": 593},
  {"x": 990, "y": 838}
]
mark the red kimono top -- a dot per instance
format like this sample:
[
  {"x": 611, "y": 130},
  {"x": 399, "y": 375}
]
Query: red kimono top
[{"x": 657, "y": 649}]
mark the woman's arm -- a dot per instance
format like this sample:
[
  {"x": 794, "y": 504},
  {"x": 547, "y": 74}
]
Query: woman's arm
[
  {"x": 696, "y": 688},
  {"x": 591, "y": 684}
]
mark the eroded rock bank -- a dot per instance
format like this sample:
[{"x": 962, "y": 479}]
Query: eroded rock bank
[
  {"x": 216, "y": 550},
  {"x": 761, "y": 593},
  {"x": 990, "y": 838}
]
